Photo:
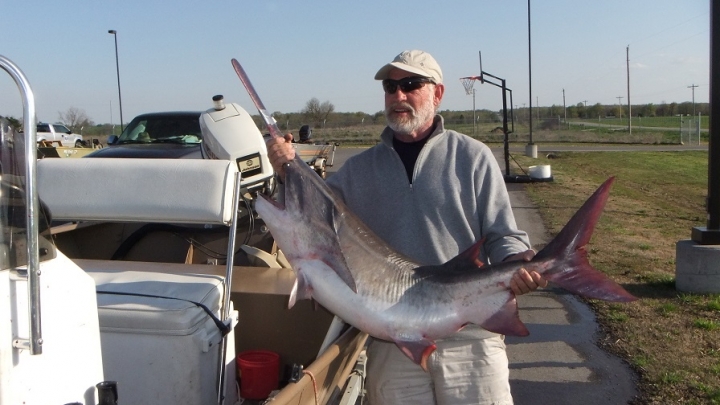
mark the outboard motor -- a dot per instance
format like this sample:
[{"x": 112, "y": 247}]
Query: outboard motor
[{"x": 229, "y": 133}]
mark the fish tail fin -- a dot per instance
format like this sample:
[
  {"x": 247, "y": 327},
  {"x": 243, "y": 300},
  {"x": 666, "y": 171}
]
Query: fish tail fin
[{"x": 574, "y": 273}]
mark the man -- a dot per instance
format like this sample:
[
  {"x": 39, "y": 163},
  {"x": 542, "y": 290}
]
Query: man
[
  {"x": 305, "y": 134},
  {"x": 430, "y": 193}
]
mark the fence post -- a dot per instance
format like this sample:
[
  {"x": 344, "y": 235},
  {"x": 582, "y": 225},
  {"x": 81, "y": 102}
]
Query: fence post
[
  {"x": 697, "y": 126},
  {"x": 681, "y": 128}
]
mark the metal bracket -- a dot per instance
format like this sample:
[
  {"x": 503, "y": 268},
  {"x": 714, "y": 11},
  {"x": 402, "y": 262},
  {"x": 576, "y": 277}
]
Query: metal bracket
[
  {"x": 22, "y": 344},
  {"x": 296, "y": 373}
]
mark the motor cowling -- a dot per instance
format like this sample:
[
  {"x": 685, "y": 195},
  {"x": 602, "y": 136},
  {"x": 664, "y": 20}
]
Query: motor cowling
[{"x": 229, "y": 133}]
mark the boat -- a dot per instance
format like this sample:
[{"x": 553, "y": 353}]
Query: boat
[{"x": 153, "y": 281}]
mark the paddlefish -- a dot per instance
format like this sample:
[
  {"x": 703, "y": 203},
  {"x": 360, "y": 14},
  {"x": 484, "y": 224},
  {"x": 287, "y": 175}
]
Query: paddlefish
[{"x": 341, "y": 264}]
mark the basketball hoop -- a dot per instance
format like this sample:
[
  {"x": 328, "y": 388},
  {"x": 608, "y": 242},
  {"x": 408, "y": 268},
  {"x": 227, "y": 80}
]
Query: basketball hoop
[{"x": 468, "y": 82}]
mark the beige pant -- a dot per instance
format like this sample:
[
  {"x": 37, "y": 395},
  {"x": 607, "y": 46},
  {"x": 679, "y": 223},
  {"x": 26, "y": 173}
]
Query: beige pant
[{"x": 460, "y": 372}]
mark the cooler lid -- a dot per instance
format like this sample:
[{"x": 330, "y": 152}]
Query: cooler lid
[{"x": 164, "y": 304}]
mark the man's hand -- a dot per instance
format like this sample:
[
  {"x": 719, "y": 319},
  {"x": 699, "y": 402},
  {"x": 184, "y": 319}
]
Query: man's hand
[
  {"x": 280, "y": 151},
  {"x": 523, "y": 281}
]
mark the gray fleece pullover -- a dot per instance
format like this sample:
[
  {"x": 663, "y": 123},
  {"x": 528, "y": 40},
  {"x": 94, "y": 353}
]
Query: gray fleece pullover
[{"x": 457, "y": 197}]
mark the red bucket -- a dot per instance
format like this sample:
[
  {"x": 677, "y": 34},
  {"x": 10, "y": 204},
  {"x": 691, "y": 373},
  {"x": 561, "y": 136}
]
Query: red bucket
[{"x": 259, "y": 372}]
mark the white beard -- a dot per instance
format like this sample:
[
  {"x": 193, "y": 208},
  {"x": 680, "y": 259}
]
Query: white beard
[{"x": 416, "y": 121}]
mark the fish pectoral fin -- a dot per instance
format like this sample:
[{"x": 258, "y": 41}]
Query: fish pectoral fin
[
  {"x": 345, "y": 275},
  {"x": 338, "y": 264},
  {"x": 506, "y": 320},
  {"x": 417, "y": 350}
]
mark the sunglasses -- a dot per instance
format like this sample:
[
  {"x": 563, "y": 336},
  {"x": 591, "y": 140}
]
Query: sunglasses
[{"x": 406, "y": 84}]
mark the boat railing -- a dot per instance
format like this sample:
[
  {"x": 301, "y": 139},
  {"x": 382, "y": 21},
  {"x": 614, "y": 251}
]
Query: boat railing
[{"x": 34, "y": 342}]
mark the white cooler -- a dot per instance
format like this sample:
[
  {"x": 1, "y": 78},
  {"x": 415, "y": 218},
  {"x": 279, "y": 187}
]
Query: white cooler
[{"x": 163, "y": 350}]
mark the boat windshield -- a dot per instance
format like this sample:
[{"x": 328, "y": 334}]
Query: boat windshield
[{"x": 13, "y": 209}]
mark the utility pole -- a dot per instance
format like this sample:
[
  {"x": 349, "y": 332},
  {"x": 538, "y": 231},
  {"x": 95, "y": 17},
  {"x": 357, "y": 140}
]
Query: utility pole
[
  {"x": 627, "y": 51},
  {"x": 620, "y": 105},
  {"x": 693, "y": 97},
  {"x": 564, "y": 108}
]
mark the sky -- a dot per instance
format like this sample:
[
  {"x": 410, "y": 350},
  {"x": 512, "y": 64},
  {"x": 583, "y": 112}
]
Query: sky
[{"x": 175, "y": 55}]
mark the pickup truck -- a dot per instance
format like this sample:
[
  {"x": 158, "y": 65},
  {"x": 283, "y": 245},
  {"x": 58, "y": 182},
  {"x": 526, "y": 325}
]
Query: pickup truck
[
  {"x": 168, "y": 135},
  {"x": 58, "y": 133}
]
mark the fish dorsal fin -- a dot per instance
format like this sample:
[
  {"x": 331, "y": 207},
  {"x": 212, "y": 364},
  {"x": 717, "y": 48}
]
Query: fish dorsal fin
[
  {"x": 471, "y": 255},
  {"x": 461, "y": 265}
]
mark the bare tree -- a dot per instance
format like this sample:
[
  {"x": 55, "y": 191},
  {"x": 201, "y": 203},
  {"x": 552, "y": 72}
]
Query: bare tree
[
  {"x": 13, "y": 122},
  {"x": 317, "y": 112},
  {"x": 75, "y": 118}
]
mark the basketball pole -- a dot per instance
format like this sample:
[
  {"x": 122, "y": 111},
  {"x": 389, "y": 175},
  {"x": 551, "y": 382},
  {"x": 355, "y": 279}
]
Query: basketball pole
[
  {"x": 505, "y": 91},
  {"x": 486, "y": 77}
]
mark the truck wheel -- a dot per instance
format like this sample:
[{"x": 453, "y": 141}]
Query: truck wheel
[{"x": 79, "y": 144}]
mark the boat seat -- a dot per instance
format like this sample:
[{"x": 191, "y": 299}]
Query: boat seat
[{"x": 188, "y": 191}]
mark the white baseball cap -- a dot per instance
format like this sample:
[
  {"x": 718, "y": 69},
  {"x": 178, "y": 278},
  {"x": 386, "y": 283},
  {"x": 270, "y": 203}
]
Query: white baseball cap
[{"x": 417, "y": 62}]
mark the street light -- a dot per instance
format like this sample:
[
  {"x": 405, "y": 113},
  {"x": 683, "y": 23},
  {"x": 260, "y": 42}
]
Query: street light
[{"x": 117, "y": 66}]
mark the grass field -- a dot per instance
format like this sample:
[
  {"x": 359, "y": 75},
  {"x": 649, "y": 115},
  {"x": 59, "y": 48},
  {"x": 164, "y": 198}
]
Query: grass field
[
  {"x": 671, "y": 339},
  {"x": 492, "y": 133},
  {"x": 658, "y": 122},
  {"x": 656, "y": 130}
]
